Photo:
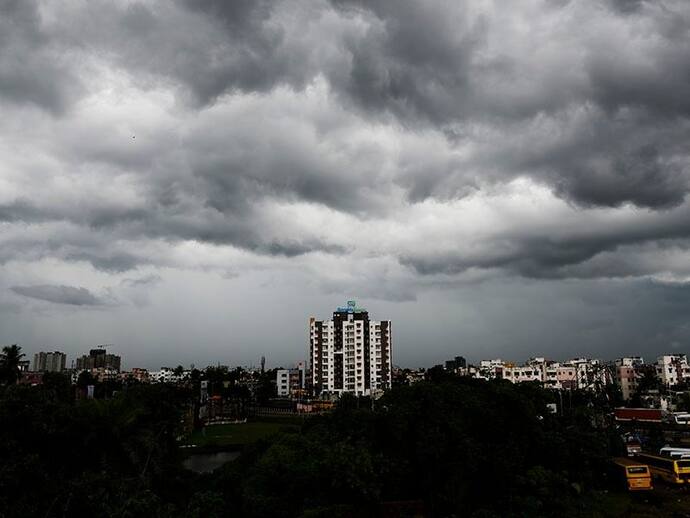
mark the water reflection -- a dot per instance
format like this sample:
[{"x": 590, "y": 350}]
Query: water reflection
[{"x": 207, "y": 462}]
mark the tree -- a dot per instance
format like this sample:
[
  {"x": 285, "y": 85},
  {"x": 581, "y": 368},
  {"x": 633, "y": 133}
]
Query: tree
[
  {"x": 85, "y": 379},
  {"x": 9, "y": 363},
  {"x": 684, "y": 402},
  {"x": 57, "y": 386}
]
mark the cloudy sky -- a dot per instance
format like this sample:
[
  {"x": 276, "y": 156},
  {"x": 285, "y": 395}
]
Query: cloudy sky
[{"x": 189, "y": 180}]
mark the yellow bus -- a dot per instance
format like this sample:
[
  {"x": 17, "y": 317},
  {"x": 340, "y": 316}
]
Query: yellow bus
[
  {"x": 634, "y": 475},
  {"x": 673, "y": 471}
]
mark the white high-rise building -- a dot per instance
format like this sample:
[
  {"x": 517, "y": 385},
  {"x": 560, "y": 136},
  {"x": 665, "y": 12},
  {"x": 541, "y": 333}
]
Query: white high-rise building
[
  {"x": 50, "y": 361},
  {"x": 350, "y": 353}
]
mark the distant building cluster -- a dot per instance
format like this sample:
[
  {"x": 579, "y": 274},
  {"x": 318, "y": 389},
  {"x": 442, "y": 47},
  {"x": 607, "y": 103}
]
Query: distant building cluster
[
  {"x": 100, "y": 364},
  {"x": 99, "y": 359},
  {"x": 50, "y": 362},
  {"x": 627, "y": 373},
  {"x": 578, "y": 373}
]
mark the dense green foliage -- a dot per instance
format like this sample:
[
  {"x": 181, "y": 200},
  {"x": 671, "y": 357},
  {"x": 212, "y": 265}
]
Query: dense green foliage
[
  {"x": 460, "y": 447},
  {"x": 86, "y": 458},
  {"x": 10, "y": 357}
]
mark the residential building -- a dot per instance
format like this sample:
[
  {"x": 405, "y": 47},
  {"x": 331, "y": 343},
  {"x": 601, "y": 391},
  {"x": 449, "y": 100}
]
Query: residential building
[
  {"x": 590, "y": 374},
  {"x": 50, "y": 361},
  {"x": 139, "y": 374},
  {"x": 628, "y": 375},
  {"x": 629, "y": 361},
  {"x": 283, "y": 382},
  {"x": 672, "y": 369},
  {"x": 105, "y": 374},
  {"x": 458, "y": 365},
  {"x": 350, "y": 353},
  {"x": 522, "y": 374},
  {"x": 291, "y": 382},
  {"x": 99, "y": 359},
  {"x": 167, "y": 375},
  {"x": 578, "y": 373},
  {"x": 490, "y": 369},
  {"x": 566, "y": 377}
]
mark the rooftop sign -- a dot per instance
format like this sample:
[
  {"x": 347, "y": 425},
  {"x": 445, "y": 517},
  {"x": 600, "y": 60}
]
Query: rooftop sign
[{"x": 351, "y": 308}]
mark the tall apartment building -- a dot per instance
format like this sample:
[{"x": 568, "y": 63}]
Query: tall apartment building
[
  {"x": 350, "y": 353},
  {"x": 50, "y": 362},
  {"x": 98, "y": 359}
]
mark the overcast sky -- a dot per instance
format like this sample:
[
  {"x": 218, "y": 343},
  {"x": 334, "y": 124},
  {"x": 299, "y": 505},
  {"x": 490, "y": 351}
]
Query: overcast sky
[{"x": 191, "y": 180}]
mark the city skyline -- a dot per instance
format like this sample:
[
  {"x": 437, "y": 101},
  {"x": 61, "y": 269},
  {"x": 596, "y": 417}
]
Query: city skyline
[
  {"x": 510, "y": 361},
  {"x": 188, "y": 179}
]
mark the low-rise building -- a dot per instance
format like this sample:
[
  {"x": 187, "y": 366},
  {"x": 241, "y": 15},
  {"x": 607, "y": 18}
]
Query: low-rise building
[
  {"x": 628, "y": 375},
  {"x": 590, "y": 374},
  {"x": 457, "y": 365},
  {"x": 522, "y": 374},
  {"x": 137, "y": 374},
  {"x": 490, "y": 369},
  {"x": 167, "y": 375},
  {"x": 672, "y": 369},
  {"x": 291, "y": 382},
  {"x": 566, "y": 376}
]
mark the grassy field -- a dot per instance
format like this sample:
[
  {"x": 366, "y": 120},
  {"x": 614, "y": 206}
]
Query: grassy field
[{"x": 238, "y": 434}]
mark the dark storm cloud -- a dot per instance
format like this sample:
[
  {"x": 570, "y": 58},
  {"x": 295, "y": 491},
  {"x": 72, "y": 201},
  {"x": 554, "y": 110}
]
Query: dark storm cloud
[
  {"x": 607, "y": 161},
  {"x": 583, "y": 254},
  {"x": 250, "y": 50},
  {"x": 597, "y": 112},
  {"x": 414, "y": 63},
  {"x": 107, "y": 261},
  {"x": 205, "y": 48},
  {"x": 32, "y": 68},
  {"x": 69, "y": 295},
  {"x": 210, "y": 227},
  {"x": 626, "y": 6},
  {"x": 433, "y": 65},
  {"x": 426, "y": 63},
  {"x": 148, "y": 280}
]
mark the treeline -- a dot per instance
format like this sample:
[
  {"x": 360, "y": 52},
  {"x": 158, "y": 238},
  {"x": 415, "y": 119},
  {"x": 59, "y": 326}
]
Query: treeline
[{"x": 452, "y": 446}]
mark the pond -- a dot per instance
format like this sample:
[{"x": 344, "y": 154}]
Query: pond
[{"x": 207, "y": 462}]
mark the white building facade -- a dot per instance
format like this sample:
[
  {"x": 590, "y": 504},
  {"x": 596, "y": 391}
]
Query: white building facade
[
  {"x": 291, "y": 382},
  {"x": 672, "y": 369},
  {"x": 50, "y": 361},
  {"x": 350, "y": 353}
]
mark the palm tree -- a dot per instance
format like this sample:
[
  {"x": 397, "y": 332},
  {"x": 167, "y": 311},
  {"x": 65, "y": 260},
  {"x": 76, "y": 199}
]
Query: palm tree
[{"x": 9, "y": 363}]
